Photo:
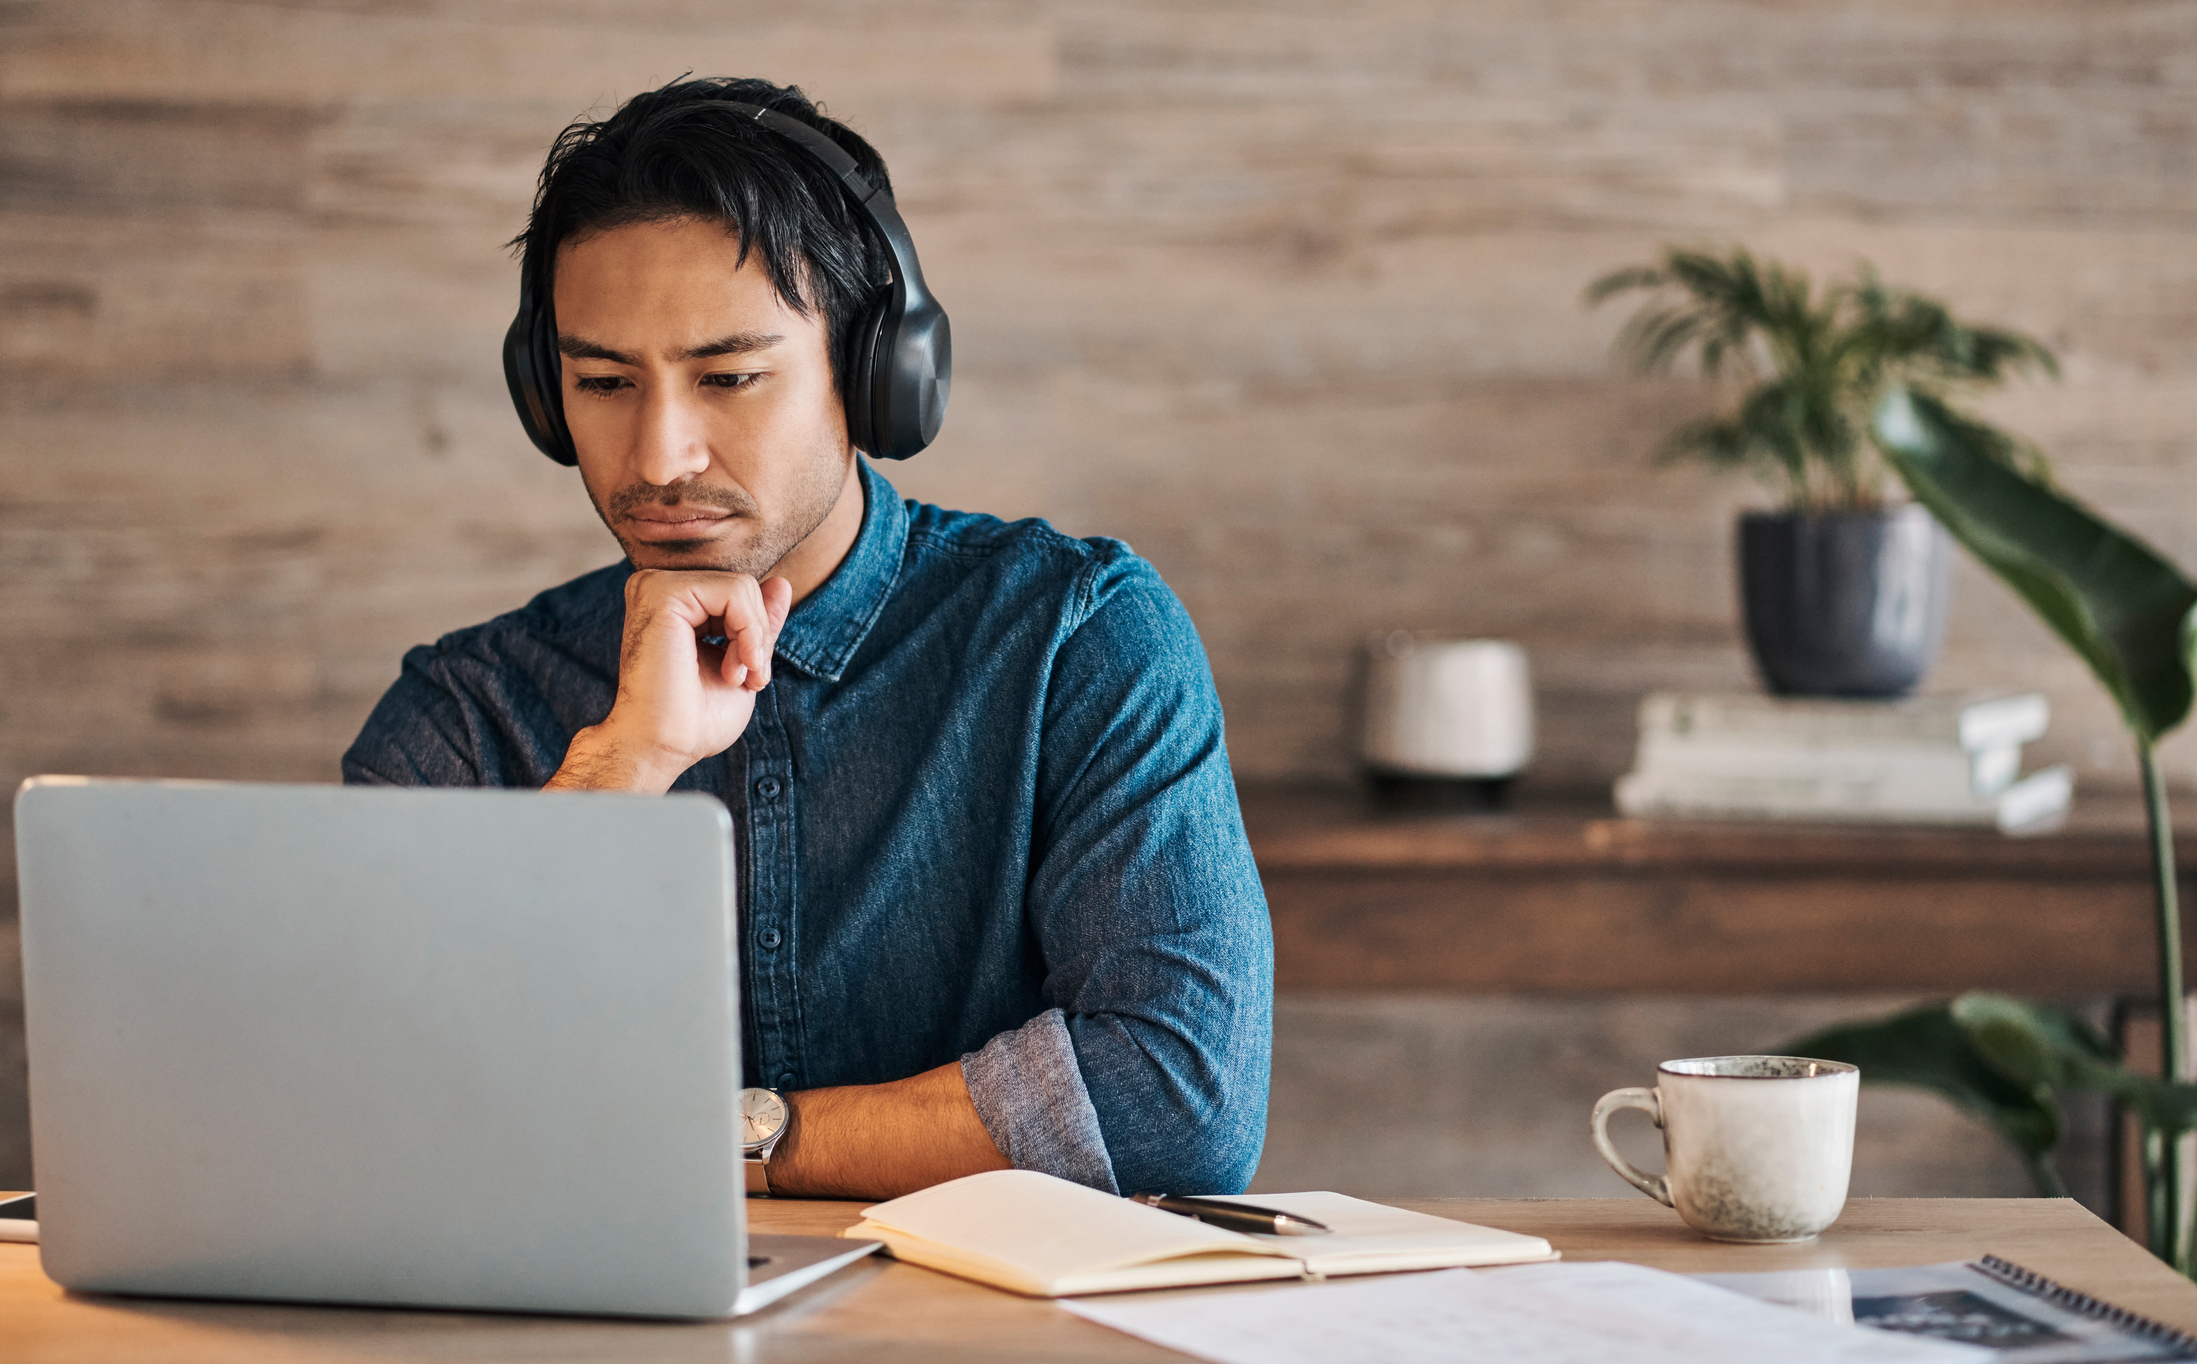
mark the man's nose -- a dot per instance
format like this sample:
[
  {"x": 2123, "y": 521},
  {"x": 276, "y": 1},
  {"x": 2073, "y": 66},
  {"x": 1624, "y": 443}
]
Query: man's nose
[{"x": 672, "y": 442}]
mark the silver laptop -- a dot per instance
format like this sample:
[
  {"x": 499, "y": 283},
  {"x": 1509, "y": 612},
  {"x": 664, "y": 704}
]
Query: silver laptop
[{"x": 469, "y": 1049}]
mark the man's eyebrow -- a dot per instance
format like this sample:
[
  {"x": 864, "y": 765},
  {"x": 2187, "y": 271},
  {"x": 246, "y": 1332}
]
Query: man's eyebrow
[
  {"x": 738, "y": 343},
  {"x": 579, "y": 348}
]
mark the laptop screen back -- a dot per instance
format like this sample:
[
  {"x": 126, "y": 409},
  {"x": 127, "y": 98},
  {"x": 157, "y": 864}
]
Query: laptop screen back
[{"x": 452, "y": 1048}]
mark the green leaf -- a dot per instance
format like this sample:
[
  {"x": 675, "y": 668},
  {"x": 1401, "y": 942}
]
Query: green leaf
[
  {"x": 1929, "y": 1049},
  {"x": 2127, "y": 611},
  {"x": 1831, "y": 352},
  {"x": 2035, "y": 1045},
  {"x": 1618, "y": 281},
  {"x": 2006, "y": 1061},
  {"x": 2171, "y": 1108}
]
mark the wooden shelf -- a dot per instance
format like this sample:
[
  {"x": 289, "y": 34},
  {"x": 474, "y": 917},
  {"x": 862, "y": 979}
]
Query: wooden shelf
[{"x": 1568, "y": 898}]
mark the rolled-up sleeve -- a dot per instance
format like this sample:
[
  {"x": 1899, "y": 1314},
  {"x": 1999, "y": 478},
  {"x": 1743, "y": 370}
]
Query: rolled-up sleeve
[
  {"x": 1147, "y": 907},
  {"x": 1030, "y": 1094}
]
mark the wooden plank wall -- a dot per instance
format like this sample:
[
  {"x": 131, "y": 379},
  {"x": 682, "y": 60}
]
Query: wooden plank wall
[{"x": 1286, "y": 295}]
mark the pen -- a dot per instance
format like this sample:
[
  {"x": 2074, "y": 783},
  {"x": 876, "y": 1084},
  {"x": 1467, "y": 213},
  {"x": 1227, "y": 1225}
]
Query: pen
[{"x": 1233, "y": 1216}]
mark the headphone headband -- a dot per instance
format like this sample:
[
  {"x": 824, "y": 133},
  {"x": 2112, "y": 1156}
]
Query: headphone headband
[{"x": 896, "y": 387}]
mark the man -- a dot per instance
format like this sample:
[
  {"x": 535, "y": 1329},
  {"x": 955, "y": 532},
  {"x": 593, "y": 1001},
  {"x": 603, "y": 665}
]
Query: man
[{"x": 996, "y": 905}]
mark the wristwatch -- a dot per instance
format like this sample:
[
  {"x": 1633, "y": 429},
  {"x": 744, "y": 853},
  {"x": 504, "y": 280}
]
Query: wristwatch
[{"x": 764, "y": 1117}]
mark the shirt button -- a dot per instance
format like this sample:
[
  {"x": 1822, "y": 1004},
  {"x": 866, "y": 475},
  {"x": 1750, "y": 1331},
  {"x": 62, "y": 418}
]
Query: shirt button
[
  {"x": 769, "y": 787},
  {"x": 769, "y": 939},
  {"x": 785, "y": 1081}
]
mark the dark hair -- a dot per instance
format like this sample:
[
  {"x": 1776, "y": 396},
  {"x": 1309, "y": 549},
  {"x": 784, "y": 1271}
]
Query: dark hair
[{"x": 679, "y": 152}]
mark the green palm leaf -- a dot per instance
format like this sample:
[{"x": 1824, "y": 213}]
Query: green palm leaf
[
  {"x": 2005, "y": 1061},
  {"x": 1830, "y": 353},
  {"x": 1928, "y": 1048},
  {"x": 2126, "y": 610}
]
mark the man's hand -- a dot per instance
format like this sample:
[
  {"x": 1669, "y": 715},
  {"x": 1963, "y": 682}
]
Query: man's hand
[{"x": 679, "y": 700}]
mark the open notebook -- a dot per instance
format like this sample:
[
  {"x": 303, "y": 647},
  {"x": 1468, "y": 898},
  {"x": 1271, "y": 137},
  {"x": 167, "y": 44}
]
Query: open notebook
[{"x": 1031, "y": 1233}]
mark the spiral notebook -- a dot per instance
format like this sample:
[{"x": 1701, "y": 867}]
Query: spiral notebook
[{"x": 2024, "y": 1317}]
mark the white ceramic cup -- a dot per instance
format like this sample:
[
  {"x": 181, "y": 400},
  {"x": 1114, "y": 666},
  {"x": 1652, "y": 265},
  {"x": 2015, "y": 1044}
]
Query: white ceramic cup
[{"x": 1755, "y": 1148}]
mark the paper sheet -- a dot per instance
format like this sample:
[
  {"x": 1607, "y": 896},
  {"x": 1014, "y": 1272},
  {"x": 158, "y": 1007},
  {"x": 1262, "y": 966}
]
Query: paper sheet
[{"x": 1535, "y": 1314}]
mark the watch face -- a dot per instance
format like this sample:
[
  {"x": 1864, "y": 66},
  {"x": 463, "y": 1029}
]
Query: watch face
[{"x": 762, "y": 1116}]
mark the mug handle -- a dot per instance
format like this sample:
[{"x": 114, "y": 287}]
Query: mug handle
[{"x": 1648, "y": 1101}]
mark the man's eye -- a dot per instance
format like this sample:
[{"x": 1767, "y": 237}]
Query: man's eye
[
  {"x": 733, "y": 381},
  {"x": 599, "y": 383}
]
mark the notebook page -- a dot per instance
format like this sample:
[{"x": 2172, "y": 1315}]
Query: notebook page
[
  {"x": 1050, "y": 1228},
  {"x": 1369, "y": 1237},
  {"x": 1540, "y": 1314}
]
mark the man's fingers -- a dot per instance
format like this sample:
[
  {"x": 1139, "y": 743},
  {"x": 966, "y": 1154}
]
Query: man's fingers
[
  {"x": 749, "y": 614},
  {"x": 748, "y": 638},
  {"x": 773, "y": 598}
]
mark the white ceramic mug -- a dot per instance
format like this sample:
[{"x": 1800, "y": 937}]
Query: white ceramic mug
[{"x": 1756, "y": 1148}]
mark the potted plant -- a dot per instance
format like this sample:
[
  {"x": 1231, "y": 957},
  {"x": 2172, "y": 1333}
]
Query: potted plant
[
  {"x": 1842, "y": 590},
  {"x": 2131, "y": 615},
  {"x": 1861, "y": 385}
]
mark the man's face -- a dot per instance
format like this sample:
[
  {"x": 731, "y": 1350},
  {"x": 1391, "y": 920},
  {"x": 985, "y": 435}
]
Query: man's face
[{"x": 709, "y": 431}]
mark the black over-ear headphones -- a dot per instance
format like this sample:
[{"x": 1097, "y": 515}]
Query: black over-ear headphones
[{"x": 903, "y": 359}]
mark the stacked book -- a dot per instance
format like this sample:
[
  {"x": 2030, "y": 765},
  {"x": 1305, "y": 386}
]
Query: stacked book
[{"x": 1925, "y": 760}]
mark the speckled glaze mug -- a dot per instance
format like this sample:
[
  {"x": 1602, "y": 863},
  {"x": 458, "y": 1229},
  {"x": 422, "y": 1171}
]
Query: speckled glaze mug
[{"x": 1756, "y": 1148}]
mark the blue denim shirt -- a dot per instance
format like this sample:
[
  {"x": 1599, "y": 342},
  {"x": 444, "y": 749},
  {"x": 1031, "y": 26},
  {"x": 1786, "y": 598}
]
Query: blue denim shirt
[{"x": 984, "y": 812}]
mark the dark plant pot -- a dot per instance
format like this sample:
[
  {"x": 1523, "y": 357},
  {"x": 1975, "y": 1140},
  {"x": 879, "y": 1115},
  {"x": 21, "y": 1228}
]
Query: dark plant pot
[{"x": 1843, "y": 603}]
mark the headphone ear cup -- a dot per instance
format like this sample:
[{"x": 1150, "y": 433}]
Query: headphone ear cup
[
  {"x": 860, "y": 393},
  {"x": 534, "y": 373},
  {"x": 911, "y": 375},
  {"x": 550, "y": 372},
  {"x": 927, "y": 345}
]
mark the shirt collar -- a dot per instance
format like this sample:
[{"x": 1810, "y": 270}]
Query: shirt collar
[{"x": 828, "y": 625}]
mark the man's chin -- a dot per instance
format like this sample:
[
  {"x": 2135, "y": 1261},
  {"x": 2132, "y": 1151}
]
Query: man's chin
[
  {"x": 697, "y": 553},
  {"x": 703, "y": 554}
]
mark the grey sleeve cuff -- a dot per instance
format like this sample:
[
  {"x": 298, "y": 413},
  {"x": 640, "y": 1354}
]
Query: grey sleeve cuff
[{"x": 1029, "y": 1092}]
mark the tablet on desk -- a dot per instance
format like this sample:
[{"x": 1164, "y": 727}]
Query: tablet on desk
[{"x": 19, "y": 1218}]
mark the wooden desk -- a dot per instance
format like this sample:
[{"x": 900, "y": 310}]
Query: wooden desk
[
  {"x": 1569, "y": 899},
  {"x": 880, "y": 1309}
]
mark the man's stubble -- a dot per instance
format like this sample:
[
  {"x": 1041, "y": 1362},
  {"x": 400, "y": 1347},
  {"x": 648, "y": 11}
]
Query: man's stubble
[{"x": 824, "y": 481}]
